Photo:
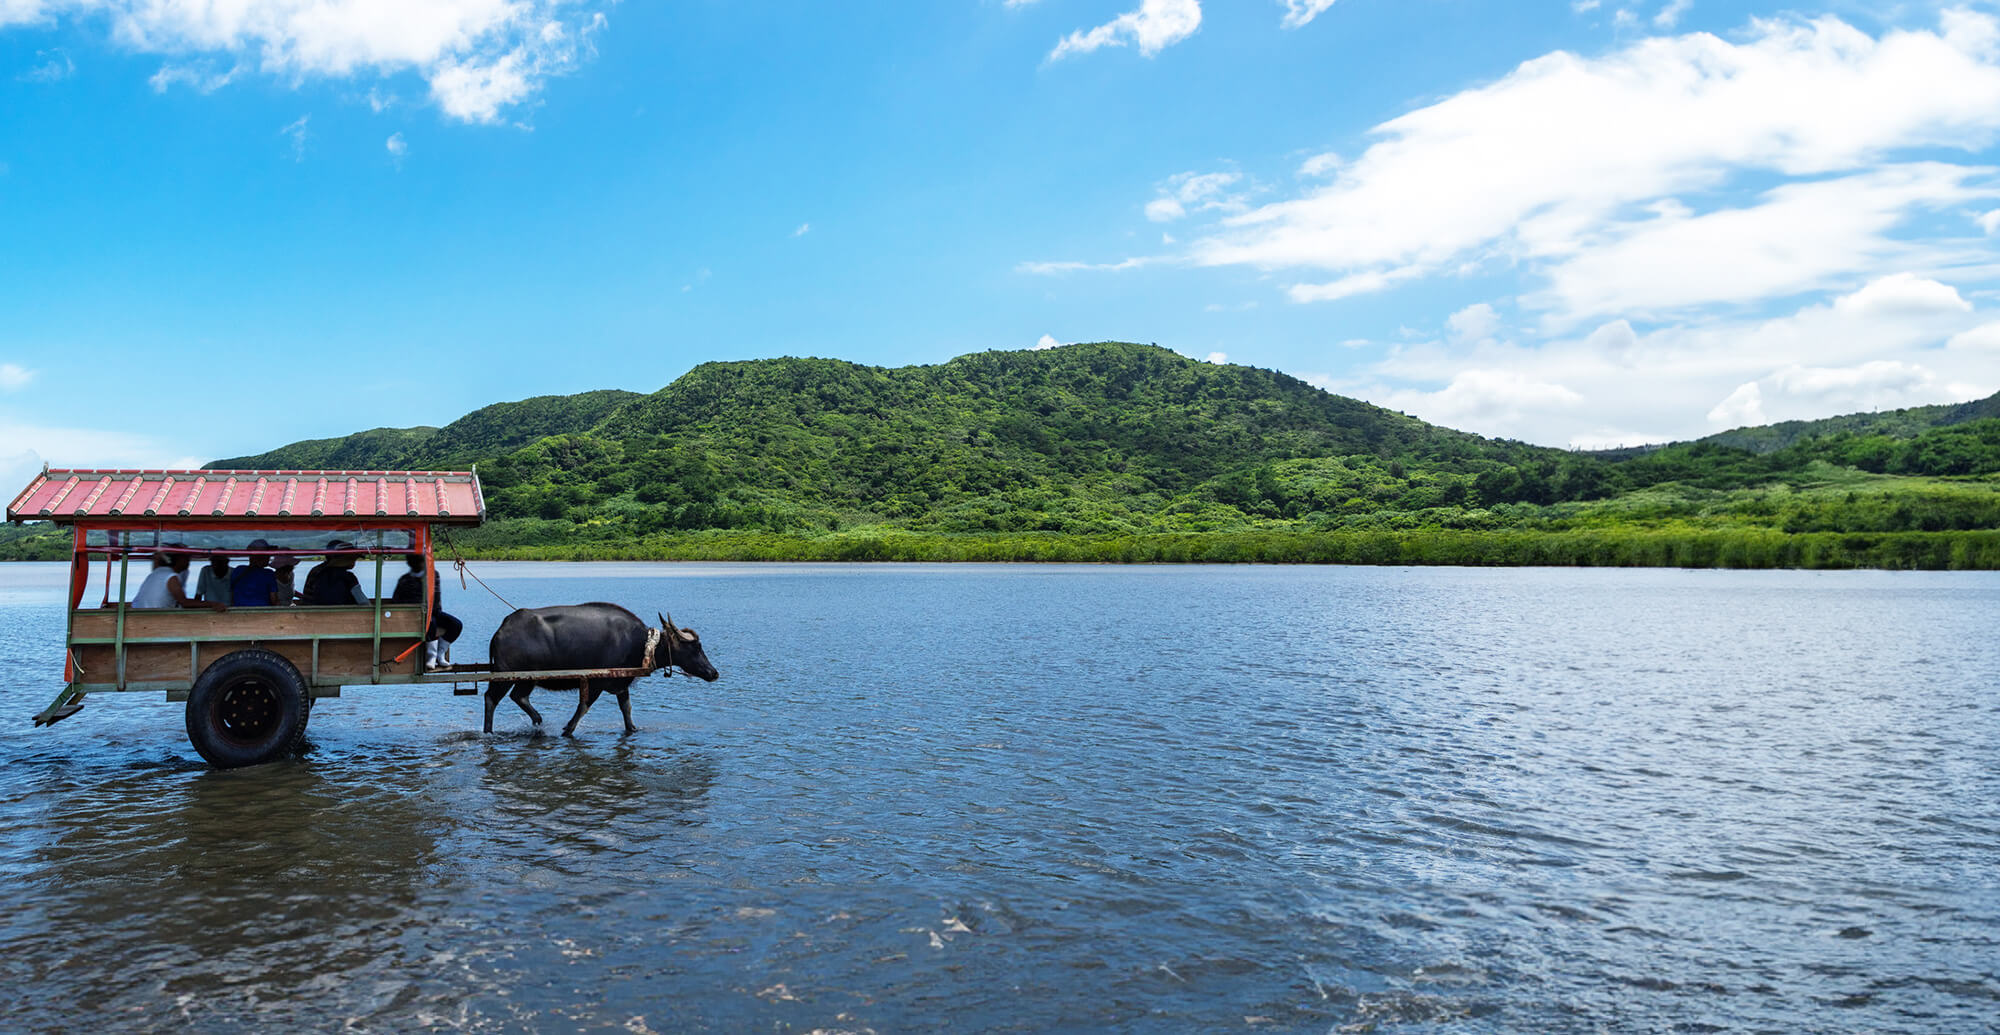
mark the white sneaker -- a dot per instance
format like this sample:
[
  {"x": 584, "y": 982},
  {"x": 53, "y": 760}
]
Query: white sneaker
[
  {"x": 433, "y": 657},
  {"x": 444, "y": 651}
]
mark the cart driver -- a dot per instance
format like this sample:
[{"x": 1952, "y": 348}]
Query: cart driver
[{"x": 331, "y": 583}]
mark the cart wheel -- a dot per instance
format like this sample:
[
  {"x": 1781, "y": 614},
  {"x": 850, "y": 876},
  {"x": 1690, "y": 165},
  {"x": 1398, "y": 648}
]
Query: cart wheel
[{"x": 248, "y": 708}]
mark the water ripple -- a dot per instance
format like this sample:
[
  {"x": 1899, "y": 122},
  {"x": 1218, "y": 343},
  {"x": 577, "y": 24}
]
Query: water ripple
[{"x": 1028, "y": 798}]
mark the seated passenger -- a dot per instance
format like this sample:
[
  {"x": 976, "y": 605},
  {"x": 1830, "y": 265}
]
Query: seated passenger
[
  {"x": 444, "y": 628},
  {"x": 254, "y": 585},
  {"x": 162, "y": 587},
  {"x": 283, "y": 568},
  {"x": 213, "y": 586},
  {"x": 331, "y": 583}
]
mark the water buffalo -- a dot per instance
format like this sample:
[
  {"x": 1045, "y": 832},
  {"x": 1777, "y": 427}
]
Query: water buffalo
[{"x": 575, "y": 636}]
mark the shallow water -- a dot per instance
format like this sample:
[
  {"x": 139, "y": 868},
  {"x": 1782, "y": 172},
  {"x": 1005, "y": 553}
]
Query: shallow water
[{"x": 1033, "y": 798}]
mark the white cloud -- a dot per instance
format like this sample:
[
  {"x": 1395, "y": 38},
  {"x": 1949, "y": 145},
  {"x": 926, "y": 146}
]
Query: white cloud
[
  {"x": 479, "y": 57},
  {"x": 804, "y": 229},
  {"x": 1798, "y": 237},
  {"x": 1366, "y": 283},
  {"x": 1801, "y": 392},
  {"x": 1056, "y": 268},
  {"x": 296, "y": 132},
  {"x": 1902, "y": 294},
  {"x": 1485, "y": 397},
  {"x": 1047, "y": 341},
  {"x": 55, "y": 65},
  {"x": 397, "y": 147},
  {"x": 1983, "y": 338},
  {"x": 1195, "y": 192},
  {"x": 13, "y": 377},
  {"x": 1299, "y": 12},
  {"x": 1156, "y": 25},
  {"x": 1217, "y": 358},
  {"x": 1670, "y": 15},
  {"x": 1874, "y": 347},
  {"x": 1474, "y": 322},
  {"x": 1744, "y": 407},
  {"x": 200, "y": 80},
  {"x": 1568, "y": 159},
  {"x": 29, "y": 446},
  {"x": 1319, "y": 165},
  {"x": 1583, "y": 6},
  {"x": 1989, "y": 221}
]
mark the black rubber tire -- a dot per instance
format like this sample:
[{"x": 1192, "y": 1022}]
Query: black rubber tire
[{"x": 248, "y": 708}]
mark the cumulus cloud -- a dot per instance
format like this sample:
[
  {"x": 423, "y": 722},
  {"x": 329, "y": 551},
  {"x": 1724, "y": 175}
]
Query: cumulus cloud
[
  {"x": 1902, "y": 294},
  {"x": 1155, "y": 26},
  {"x": 1474, "y": 322},
  {"x": 1876, "y": 346},
  {"x": 1299, "y": 12},
  {"x": 1217, "y": 358},
  {"x": 1484, "y": 397},
  {"x": 1798, "y": 392},
  {"x": 1569, "y": 163},
  {"x": 1983, "y": 338},
  {"x": 480, "y": 58},
  {"x": 1047, "y": 341}
]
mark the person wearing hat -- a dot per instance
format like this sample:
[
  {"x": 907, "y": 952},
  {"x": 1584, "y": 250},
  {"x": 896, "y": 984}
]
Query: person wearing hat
[
  {"x": 331, "y": 583},
  {"x": 255, "y": 584}
]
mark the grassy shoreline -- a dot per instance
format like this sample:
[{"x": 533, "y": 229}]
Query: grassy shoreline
[
  {"x": 1589, "y": 547},
  {"x": 1957, "y": 551}
]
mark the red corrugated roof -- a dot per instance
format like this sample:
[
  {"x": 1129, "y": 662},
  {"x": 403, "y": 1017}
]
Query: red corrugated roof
[{"x": 275, "y": 497}]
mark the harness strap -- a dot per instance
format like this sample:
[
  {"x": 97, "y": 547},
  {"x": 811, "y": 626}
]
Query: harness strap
[{"x": 653, "y": 637}]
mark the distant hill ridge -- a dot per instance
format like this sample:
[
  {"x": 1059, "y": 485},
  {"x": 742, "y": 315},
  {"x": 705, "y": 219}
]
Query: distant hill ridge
[
  {"x": 1117, "y": 439},
  {"x": 999, "y": 389}
]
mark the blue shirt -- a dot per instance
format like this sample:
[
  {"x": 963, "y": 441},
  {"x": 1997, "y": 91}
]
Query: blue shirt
[{"x": 252, "y": 587}]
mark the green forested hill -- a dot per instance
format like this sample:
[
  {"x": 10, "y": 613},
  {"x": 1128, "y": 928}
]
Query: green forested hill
[
  {"x": 487, "y": 431},
  {"x": 1132, "y": 449}
]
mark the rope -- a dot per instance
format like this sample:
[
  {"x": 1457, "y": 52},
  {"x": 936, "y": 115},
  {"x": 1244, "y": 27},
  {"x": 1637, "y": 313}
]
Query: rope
[{"x": 458, "y": 561}]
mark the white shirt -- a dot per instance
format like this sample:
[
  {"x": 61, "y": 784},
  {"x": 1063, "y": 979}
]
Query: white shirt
[{"x": 154, "y": 592}]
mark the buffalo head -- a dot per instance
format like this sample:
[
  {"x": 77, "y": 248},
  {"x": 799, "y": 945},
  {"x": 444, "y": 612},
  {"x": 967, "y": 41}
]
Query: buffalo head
[{"x": 682, "y": 648}]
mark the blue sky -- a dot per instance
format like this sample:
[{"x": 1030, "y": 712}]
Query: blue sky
[{"x": 224, "y": 227}]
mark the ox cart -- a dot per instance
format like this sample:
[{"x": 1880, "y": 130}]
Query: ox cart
[{"x": 249, "y": 675}]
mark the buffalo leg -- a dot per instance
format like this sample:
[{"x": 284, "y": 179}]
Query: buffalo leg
[
  {"x": 520, "y": 696},
  {"x": 494, "y": 692},
  {"x": 625, "y": 708},
  {"x": 584, "y": 699}
]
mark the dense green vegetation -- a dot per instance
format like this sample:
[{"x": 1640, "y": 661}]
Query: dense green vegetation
[{"x": 1121, "y": 452}]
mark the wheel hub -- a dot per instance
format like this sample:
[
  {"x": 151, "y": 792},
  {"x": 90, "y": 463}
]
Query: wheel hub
[{"x": 248, "y": 711}]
